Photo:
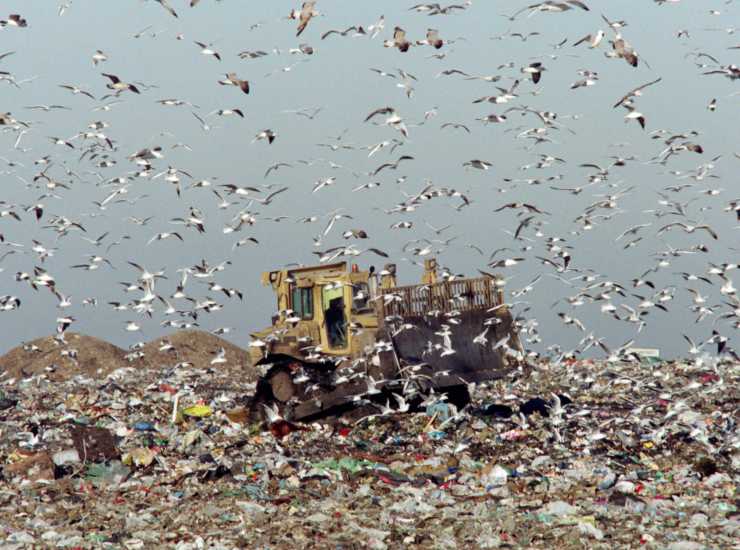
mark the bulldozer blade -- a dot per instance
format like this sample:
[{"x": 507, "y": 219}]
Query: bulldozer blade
[{"x": 465, "y": 361}]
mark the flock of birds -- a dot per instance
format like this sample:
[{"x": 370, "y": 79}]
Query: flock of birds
[{"x": 519, "y": 233}]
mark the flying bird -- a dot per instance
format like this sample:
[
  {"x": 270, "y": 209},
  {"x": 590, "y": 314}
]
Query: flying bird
[
  {"x": 304, "y": 15},
  {"x": 267, "y": 134},
  {"x": 232, "y": 80},
  {"x": 432, "y": 39},
  {"x": 399, "y": 40},
  {"x": 478, "y": 164},
  {"x": 534, "y": 70},
  {"x": 593, "y": 39},
  {"x": 118, "y": 85},
  {"x": 166, "y": 5},
  {"x": 206, "y": 49}
]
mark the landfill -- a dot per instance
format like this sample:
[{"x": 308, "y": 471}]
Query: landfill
[{"x": 580, "y": 454}]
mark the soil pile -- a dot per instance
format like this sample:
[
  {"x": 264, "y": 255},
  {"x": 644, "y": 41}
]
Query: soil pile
[
  {"x": 97, "y": 358},
  {"x": 198, "y": 349},
  {"x": 81, "y": 355}
]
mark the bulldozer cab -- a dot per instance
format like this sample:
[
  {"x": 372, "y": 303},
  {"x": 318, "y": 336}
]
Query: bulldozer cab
[{"x": 318, "y": 306}]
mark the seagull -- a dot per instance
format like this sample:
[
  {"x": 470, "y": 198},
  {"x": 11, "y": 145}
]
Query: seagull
[
  {"x": 119, "y": 86},
  {"x": 63, "y": 323},
  {"x": 508, "y": 262},
  {"x": 590, "y": 79},
  {"x": 220, "y": 357},
  {"x": 393, "y": 120},
  {"x": 524, "y": 37},
  {"x": 516, "y": 205},
  {"x": 399, "y": 40},
  {"x": 455, "y": 126},
  {"x": 236, "y": 190},
  {"x": 692, "y": 277},
  {"x": 323, "y": 182},
  {"x": 99, "y": 57},
  {"x": 567, "y": 320},
  {"x": 481, "y": 338},
  {"x": 634, "y": 114},
  {"x": 162, "y": 236},
  {"x": 76, "y": 90},
  {"x": 615, "y": 25},
  {"x": 391, "y": 165},
  {"x": 304, "y": 15},
  {"x": 688, "y": 228},
  {"x": 14, "y": 20},
  {"x": 96, "y": 242},
  {"x": 636, "y": 92},
  {"x": 267, "y": 134},
  {"x": 60, "y": 141},
  {"x": 206, "y": 49},
  {"x": 232, "y": 80},
  {"x": 432, "y": 39},
  {"x": 166, "y": 5},
  {"x": 551, "y": 6},
  {"x": 358, "y": 31},
  {"x": 403, "y": 405},
  {"x": 621, "y": 48},
  {"x": 252, "y": 54},
  {"x": 730, "y": 71},
  {"x": 693, "y": 348},
  {"x": 593, "y": 39},
  {"x": 276, "y": 166},
  {"x": 718, "y": 339},
  {"x": 309, "y": 113},
  {"x": 244, "y": 242},
  {"x": 632, "y": 231},
  {"x": 534, "y": 70},
  {"x": 478, "y": 164},
  {"x": 268, "y": 199}
]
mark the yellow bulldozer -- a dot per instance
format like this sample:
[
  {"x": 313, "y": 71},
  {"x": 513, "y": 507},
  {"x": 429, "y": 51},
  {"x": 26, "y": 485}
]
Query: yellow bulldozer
[{"x": 343, "y": 336}]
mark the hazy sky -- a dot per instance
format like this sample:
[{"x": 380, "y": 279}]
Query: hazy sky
[{"x": 56, "y": 50}]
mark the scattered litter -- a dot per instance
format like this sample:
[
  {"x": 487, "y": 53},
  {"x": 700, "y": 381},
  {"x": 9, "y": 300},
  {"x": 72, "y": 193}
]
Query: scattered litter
[
  {"x": 198, "y": 411},
  {"x": 94, "y": 444},
  {"x": 583, "y": 454}
]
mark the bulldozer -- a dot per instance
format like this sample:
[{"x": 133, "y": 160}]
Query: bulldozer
[{"x": 343, "y": 336}]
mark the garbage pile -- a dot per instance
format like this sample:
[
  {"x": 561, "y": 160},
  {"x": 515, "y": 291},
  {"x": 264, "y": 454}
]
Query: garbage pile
[{"x": 579, "y": 455}]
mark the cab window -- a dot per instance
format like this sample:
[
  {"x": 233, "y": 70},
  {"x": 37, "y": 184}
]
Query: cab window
[
  {"x": 361, "y": 298},
  {"x": 332, "y": 301},
  {"x": 302, "y": 302}
]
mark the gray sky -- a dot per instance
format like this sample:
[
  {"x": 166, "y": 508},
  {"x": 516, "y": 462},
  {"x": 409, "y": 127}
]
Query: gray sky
[{"x": 55, "y": 50}]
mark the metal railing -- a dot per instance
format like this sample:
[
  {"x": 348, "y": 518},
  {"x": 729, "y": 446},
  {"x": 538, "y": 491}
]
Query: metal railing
[{"x": 446, "y": 296}]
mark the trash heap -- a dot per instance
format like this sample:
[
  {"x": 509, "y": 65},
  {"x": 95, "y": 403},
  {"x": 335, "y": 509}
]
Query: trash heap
[{"x": 579, "y": 455}]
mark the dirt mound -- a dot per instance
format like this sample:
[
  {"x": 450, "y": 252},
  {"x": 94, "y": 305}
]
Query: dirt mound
[
  {"x": 197, "y": 348},
  {"x": 82, "y": 355},
  {"x": 97, "y": 358}
]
